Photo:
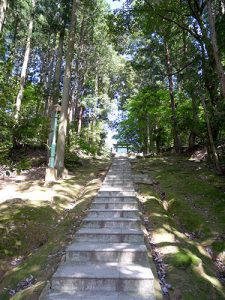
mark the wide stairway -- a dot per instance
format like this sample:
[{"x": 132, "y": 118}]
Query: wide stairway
[{"x": 108, "y": 259}]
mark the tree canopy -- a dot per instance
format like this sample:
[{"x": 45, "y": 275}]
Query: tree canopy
[{"x": 161, "y": 61}]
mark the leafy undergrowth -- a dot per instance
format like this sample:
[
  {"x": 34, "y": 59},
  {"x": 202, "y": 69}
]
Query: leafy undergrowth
[
  {"x": 36, "y": 226},
  {"x": 186, "y": 209}
]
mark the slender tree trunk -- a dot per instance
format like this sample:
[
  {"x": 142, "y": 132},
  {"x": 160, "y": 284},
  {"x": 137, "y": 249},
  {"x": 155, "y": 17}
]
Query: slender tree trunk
[
  {"x": 60, "y": 152},
  {"x": 148, "y": 134},
  {"x": 25, "y": 62},
  {"x": 80, "y": 78},
  {"x": 215, "y": 157},
  {"x": 222, "y": 7},
  {"x": 193, "y": 133},
  {"x": 80, "y": 119},
  {"x": 3, "y": 7},
  {"x": 213, "y": 36},
  {"x": 74, "y": 103},
  {"x": 172, "y": 100},
  {"x": 49, "y": 77},
  {"x": 94, "y": 116},
  {"x": 157, "y": 139},
  {"x": 58, "y": 72},
  {"x": 56, "y": 89}
]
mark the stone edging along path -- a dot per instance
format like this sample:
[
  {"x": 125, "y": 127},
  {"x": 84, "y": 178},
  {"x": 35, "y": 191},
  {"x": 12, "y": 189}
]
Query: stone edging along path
[{"x": 108, "y": 259}]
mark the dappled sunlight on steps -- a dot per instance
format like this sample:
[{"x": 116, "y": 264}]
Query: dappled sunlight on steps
[{"x": 108, "y": 258}]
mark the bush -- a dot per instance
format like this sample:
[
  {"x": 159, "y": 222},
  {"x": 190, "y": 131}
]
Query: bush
[{"x": 24, "y": 164}]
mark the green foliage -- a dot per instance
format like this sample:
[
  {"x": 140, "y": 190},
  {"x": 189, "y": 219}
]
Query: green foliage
[
  {"x": 6, "y": 129},
  {"x": 31, "y": 130},
  {"x": 147, "y": 119},
  {"x": 23, "y": 164},
  {"x": 72, "y": 160},
  {"x": 218, "y": 246},
  {"x": 181, "y": 260}
]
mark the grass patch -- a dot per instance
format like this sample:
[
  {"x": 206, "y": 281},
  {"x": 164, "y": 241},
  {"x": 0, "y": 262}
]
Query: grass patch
[
  {"x": 218, "y": 246},
  {"x": 183, "y": 259},
  {"x": 186, "y": 212},
  {"x": 37, "y": 230}
]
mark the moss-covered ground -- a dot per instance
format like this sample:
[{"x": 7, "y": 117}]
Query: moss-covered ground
[
  {"x": 36, "y": 226},
  {"x": 186, "y": 210}
]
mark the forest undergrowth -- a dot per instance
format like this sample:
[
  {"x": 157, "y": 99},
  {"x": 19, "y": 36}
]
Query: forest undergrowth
[
  {"x": 185, "y": 208},
  {"x": 37, "y": 222}
]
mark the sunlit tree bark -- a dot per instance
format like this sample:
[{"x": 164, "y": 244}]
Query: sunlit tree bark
[
  {"x": 61, "y": 141},
  {"x": 3, "y": 7}
]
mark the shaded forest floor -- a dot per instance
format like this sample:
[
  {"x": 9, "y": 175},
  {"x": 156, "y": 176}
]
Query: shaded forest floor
[
  {"x": 185, "y": 206},
  {"x": 37, "y": 222}
]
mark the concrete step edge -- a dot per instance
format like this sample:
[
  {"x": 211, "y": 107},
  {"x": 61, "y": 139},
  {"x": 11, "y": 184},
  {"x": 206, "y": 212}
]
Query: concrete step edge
[
  {"x": 104, "y": 271},
  {"x": 107, "y": 247}
]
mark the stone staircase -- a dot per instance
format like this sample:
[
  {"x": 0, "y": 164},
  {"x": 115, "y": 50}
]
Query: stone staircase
[{"x": 108, "y": 259}]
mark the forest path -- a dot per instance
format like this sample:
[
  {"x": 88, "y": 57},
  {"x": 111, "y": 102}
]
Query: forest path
[{"x": 108, "y": 258}]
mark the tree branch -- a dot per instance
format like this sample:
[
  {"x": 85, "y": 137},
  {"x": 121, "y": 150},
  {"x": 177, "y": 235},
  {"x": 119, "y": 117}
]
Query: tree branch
[
  {"x": 183, "y": 68},
  {"x": 173, "y": 21}
]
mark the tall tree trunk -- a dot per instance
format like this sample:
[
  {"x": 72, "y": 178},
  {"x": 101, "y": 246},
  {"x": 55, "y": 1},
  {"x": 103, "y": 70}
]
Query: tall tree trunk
[
  {"x": 194, "y": 131},
  {"x": 60, "y": 152},
  {"x": 80, "y": 119},
  {"x": 25, "y": 62},
  {"x": 148, "y": 134},
  {"x": 79, "y": 74},
  {"x": 74, "y": 103},
  {"x": 222, "y": 7},
  {"x": 213, "y": 36},
  {"x": 3, "y": 7},
  {"x": 215, "y": 157},
  {"x": 56, "y": 89},
  {"x": 49, "y": 77},
  {"x": 172, "y": 100},
  {"x": 58, "y": 73},
  {"x": 94, "y": 115}
]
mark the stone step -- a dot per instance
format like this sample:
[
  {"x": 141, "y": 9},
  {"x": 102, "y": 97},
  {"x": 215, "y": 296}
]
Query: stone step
[
  {"x": 118, "y": 183},
  {"x": 122, "y": 189},
  {"x": 114, "y": 213},
  {"x": 108, "y": 259},
  {"x": 109, "y": 252},
  {"x": 119, "y": 173},
  {"x": 121, "y": 176},
  {"x": 98, "y": 296},
  {"x": 110, "y": 235},
  {"x": 117, "y": 186},
  {"x": 110, "y": 222},
  {"x": 116, "y": 193},
  {"x": 113, "y": 199},
  {"x": 113, "y": 277},
  {"x": 113, "y": 182},
  {"x": 117, "y": 179},
  {"x": 118, "y": 205},
  {"x": 117, "y": 169}
]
